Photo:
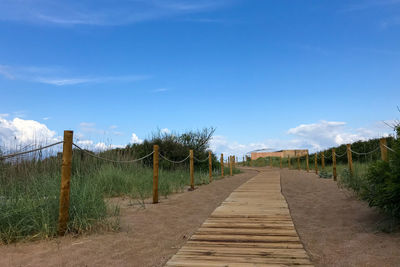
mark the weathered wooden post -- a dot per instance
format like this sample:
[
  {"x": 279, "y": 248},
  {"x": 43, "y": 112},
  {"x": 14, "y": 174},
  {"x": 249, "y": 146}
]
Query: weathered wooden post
[
  {"x": 316, "y": 162},
  {"x": 222, "y": 165},
  {"x": 323, "y": 160},
  {"x": 63, "y": 215},
  {"x": 384, "y": 150},
  {"x": 280, "y": 162},
  {"x": 350, "y": 159},
  {"x": 191, "y": 170},
  {"x": 155, "y": 173},
  {"x": 334, "y": 164},
  {"x": 210, "y": 165},
  {"x": 307, "y": 163}
]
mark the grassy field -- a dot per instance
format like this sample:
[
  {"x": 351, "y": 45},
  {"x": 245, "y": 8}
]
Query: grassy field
[{"x": 29, "y": 194}]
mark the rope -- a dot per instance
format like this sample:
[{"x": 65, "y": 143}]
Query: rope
[
  {"x": 30, "y": 151},
  {"x": 327, "y": 157},
  {"x": 339, "y": 156},
  {"x": 389, "y": 148},
  {"x": 366, "y": 153},
  {"x": 198, "y": 160},
  {"x": 176, "y": 162},
  {"x": 111, "y": 160}
]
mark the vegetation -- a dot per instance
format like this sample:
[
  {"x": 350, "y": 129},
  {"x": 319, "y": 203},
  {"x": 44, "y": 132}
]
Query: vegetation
[
  {"x": 382, "y": 183},
  {"x": 373, "y": 180},
  {"x": 29, "y": 189}
]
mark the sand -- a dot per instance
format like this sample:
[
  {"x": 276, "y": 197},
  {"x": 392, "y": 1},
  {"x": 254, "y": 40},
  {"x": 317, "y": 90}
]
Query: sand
[{"x": 336, "y": 228}]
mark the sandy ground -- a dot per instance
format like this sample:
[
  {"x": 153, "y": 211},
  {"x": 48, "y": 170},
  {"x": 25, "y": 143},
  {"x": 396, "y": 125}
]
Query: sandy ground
[
  {"x": 148, "y": 237},
  {"x": 335, "y": 227}
]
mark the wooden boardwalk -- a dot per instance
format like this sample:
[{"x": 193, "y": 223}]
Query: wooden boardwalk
[{"x": 252, "y": 227}]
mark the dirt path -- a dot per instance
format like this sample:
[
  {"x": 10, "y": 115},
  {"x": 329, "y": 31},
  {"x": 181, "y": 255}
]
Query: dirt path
[
  {"x": 335, "y": 227},
  {"x": 149, "y": 237}
]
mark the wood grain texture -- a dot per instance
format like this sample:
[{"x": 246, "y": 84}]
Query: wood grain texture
[{"x": 252, "y": 227}]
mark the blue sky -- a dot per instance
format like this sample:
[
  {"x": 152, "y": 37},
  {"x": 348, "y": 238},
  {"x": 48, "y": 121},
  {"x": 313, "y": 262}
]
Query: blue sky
[{"x": 266, "y": 74}]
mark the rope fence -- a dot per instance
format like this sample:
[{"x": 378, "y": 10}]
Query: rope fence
[
  {"x": 203, "y": 160},
  {"x": 303, "y": 158},
  {"x": 66, "y": 170},
  {"x": 111, "y": 160},
  {"x": 172, "y": 161},
  {"x": 365, "y": 153},
  {"x": 389, "y": 148},
  {"x": 29, "y": 151}
]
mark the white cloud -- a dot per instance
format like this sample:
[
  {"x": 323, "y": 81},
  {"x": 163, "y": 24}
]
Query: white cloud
[
  {"x": 135, "y": 139},
  {"x": 100, "y": 146},
  {"x": 220, "y": 144},
  {"x": 330, "y": 133},
  {"x": 18, "y": 132},
  {"x": 87, "y": 124},
  {"x": 314, "y": 136},
  {"x": 90, "y": 12},
  {"x": 74, "y": 81},
  {"x": 165, "y": 131},
  {"x": 59, "y": 77},
  {"x": 85, "y": 143}
]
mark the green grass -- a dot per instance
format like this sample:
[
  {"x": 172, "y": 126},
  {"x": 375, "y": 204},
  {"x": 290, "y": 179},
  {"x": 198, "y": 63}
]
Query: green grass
[{"x": 29, "y": 194}]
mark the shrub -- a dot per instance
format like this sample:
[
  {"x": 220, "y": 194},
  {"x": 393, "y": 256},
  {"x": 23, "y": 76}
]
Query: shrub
[{"x": 382, "y": 188}]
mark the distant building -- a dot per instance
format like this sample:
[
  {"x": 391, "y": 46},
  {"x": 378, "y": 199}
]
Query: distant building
[{"x": 281, "y": 153}]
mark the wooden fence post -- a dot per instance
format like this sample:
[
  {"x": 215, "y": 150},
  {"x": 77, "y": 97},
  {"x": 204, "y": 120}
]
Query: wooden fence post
[
  {"x": 191, "y": 170},
  {"x": 307, "y": 163},
  {"x": 350, "y": 159},
  {"x": 334, "y": 164},
  {"x": 210, "y": 165},
  {"x": 155, "y": 173},
  {"x": 222, "y": 165},
  {"x": 384, "y": 150},
  {"x": 316, "y": 162},
  {"x": 63, "y": 215},
  {"x": 230, "y": 165},
  {"x": 280, "y": 162},
  {"x": 298, "y": 163}
]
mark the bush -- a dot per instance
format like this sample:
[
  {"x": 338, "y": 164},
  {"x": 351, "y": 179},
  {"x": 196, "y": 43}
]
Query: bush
[{"x": 382, "y": 187}]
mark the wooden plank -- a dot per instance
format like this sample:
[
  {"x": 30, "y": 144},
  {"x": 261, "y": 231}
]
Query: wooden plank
[{"x": 252, "y": 227}]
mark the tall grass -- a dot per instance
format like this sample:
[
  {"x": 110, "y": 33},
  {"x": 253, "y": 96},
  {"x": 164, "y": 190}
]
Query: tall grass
[{"x": 29, "y": 193}]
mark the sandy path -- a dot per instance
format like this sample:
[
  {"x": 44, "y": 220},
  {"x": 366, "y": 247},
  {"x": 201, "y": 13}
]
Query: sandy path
[
  {"x": 149, "y": 237},
  {"x": 335, "y": 227}
]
